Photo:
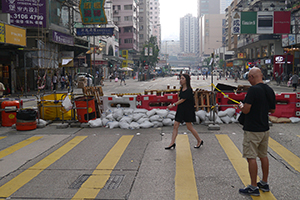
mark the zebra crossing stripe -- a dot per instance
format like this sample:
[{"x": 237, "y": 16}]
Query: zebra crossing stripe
[
  {"x": 18, "y": 146},
  {"x": 2, "y": 137},
  {"x": 92, "y": 186},
  {"x": 286, "y": 154},
  {"x": 185, "y": 182},
  {"x": 16, "y": 183},
  {"x": 240, "y": 164}
]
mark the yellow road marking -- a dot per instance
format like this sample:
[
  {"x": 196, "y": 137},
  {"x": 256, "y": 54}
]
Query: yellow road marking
[
  {"x": 2, "y": 137},
  {"x": 240, "y": 164},
  {"x": 92, "y": 186},
  {"x": 18, "y": 146},
  {"x": 16, "y": 183},
  {"x": 185, "y": 183},
  {"x": 287, "y": 155}
]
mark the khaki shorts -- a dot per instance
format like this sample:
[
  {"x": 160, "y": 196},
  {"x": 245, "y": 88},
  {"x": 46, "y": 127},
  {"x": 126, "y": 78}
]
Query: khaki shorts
[{"x": 255, "y": 144}]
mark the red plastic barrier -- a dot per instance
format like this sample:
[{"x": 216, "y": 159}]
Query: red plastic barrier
[
  {"x": 298, "y": 104},
  {"x": 285, "y": 105},
  {"x": 224, "y": 100},
  {"x": 150, "y": 102},
  {"x": 9, "y": 117}
]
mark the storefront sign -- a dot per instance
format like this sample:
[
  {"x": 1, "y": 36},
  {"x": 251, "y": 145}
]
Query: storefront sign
[
  {"x": 282, "y": 22},
  {"x": 94, "y": 31},
  {"x": 279, "y": 62},
  {"x": 292, "y": 39},
  {"x": 15, "y": 35},
  {"x": 92, "y": 11},
  {"x": 237, "y": 62},
  {"x": 26, "y": 12},
  {"x": 62, "y": 38},
  {"x": 248, "y": 22},
  {"x": 2, "y": 33},
  {"x": 285, "y": 40},
  {"x": 268, "y": 61}
]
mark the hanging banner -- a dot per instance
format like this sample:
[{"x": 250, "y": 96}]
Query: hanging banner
[
  {"x": 92, "y": 11},
  {"x": 150, "y": 51},
  {"x": 248, "y": 22},
  {"x": 146, "y": 51}
]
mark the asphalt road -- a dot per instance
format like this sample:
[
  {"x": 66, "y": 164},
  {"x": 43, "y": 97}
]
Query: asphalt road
[{"x": 101, "y": 163}]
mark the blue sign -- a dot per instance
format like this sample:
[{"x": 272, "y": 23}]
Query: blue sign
[{"x": 94, "y": 31}]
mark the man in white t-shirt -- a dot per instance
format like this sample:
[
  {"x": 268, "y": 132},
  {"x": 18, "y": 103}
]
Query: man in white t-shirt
[{"x": 2, "y": 89}]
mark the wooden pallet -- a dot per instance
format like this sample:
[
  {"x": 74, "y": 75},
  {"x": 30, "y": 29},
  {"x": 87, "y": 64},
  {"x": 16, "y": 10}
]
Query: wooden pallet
[
  {"x": 202, "y": 99},
  {"x": 96, "y": 92}
]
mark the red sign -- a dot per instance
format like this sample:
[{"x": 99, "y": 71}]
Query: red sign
[{"x": 282, "y": 22}]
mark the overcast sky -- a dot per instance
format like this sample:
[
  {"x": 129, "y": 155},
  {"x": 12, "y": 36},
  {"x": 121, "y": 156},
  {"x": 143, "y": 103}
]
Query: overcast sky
[{"x": 170, "y": 13}]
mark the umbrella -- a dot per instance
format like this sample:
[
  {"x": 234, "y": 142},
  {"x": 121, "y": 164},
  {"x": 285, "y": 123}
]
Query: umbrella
[{"x": 126, "y": 69}]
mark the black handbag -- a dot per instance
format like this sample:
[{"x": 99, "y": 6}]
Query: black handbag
[{"x": 241, "y": 118}]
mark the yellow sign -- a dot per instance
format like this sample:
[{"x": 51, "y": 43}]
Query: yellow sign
[
  {"x": 2, "y": 33},
  {"x": 90, "y": 110},
  {"x": 11, "y": 116},
  {"x": 15, "y": 35},
  {"x": 125, "y": 54}
]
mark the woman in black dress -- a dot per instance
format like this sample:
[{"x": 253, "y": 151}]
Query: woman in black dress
[{"x": 185, "y": 111}]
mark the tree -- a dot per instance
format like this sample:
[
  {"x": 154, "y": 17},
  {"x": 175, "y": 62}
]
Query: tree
[{"x": 147, "y": 59}]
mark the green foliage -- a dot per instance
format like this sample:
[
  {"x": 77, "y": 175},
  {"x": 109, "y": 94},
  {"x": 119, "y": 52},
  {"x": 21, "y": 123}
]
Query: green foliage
[{"x": 150, "y": 60}]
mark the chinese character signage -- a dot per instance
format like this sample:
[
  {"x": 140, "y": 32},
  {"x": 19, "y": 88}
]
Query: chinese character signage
[
  {"x": 2, "y": 33},
  {"x": 15, "y": 35},
  {"x": 236, "y": 23},
  {"x": 92, "y": 11},
  {"x": 25, "y": 13},
  {"x": 265, "y": 22},
  {"x": 94, "y": 31},
  {"x": 62, "y": 38}
]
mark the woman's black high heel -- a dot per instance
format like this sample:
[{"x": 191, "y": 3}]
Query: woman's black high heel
[
  {"x": 170, "y": 147},
  {"x": 197, "y": 147}
]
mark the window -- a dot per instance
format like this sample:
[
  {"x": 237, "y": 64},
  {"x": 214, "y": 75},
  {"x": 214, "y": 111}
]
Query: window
[
  {"x": 119, "y": 7},
  {"x": 141, "y": 27},
  {"x": 141, "y": 36},
  {"x": 127, "y": 41},
  {"x": 127, "y": 29},
  {"x": 127, "y": 7},
  {"x": 128, "y": 18}
]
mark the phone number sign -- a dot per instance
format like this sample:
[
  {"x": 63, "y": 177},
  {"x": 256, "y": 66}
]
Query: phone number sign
[
  {"x": 92, "y": 11},
  {"x": 26, "y": 12}
]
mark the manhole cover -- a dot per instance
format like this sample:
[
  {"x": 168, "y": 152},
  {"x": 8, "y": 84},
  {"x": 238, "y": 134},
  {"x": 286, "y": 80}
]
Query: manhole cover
[
  {"x": 114, "y": 182},
  {"x": 79, "y": 181}
]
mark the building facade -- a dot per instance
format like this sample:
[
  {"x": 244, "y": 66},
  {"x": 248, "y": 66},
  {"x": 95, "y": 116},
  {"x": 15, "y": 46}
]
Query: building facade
[
  {"x": 189, "y": 34},
  {"x": 211, "y": 33},
  {"x": 144, "y": 23},
  {"x": 154, "y": 14}
]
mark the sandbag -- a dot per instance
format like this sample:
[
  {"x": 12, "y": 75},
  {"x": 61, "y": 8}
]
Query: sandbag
[
  {"x": 126, "y": 119},
  {"x": 142, "y": 120},
  {"x": 222, "y": 114},
  {"x": 112, "y": 125},
  {"x": 155, "y": 118},
  {"x": 230, "y": 112},
  {"x": 151, "y": 112},
  {"x": 162, "y": 113},
  {"x": 283, "y": 120},
  {"x": 137, "y": 116},
  {"x": 167, "y": 122},
  {"x": 95, "y": 123},
  {"x": 157, "y": 124},
  {"x": 124, "y": 125},
  {"x": 273, "y": 119},
  {"x": 201, "y": 114},
  {"x": 140, "y": 110},
  {"x": 226, "y": 119},
  {"x": 294, "y": 119},
  {"x": 171, "y": 116},
  {"x": 118, "y": 114},
  {"x": 146, "y": 124},
  {"x": 134, "y": 125},
  {"x": 128, "y": 111},
  {"x": 105, "y": 121}
]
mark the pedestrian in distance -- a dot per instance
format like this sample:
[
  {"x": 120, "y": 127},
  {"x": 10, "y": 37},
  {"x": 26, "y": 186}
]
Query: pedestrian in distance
[
  {"x": 54, "y": 81},
  {"x": 259, "y": 101},
  {"x": 62, "y": 82},
  {"x": 185, "y": 111},
  {"x": 295, "y": 79},
  {"x": 123, "y": 78}
]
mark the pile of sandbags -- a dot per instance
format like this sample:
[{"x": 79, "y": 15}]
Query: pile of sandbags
[
  {"x": 284, "y": 119},
  {"x": 142, "y": 118}
]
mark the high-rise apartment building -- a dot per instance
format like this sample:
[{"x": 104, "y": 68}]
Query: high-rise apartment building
[
  {"x": 189, "y": 34},
  {"x": 154, "y": 13},
  {"x": 223, "y": 5},
  {"x": 208, "y": 7},
  {"x": 211, "y": 32},
  {"x": 125, "y": 16},
  {"x": 144, "y": 23}
]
